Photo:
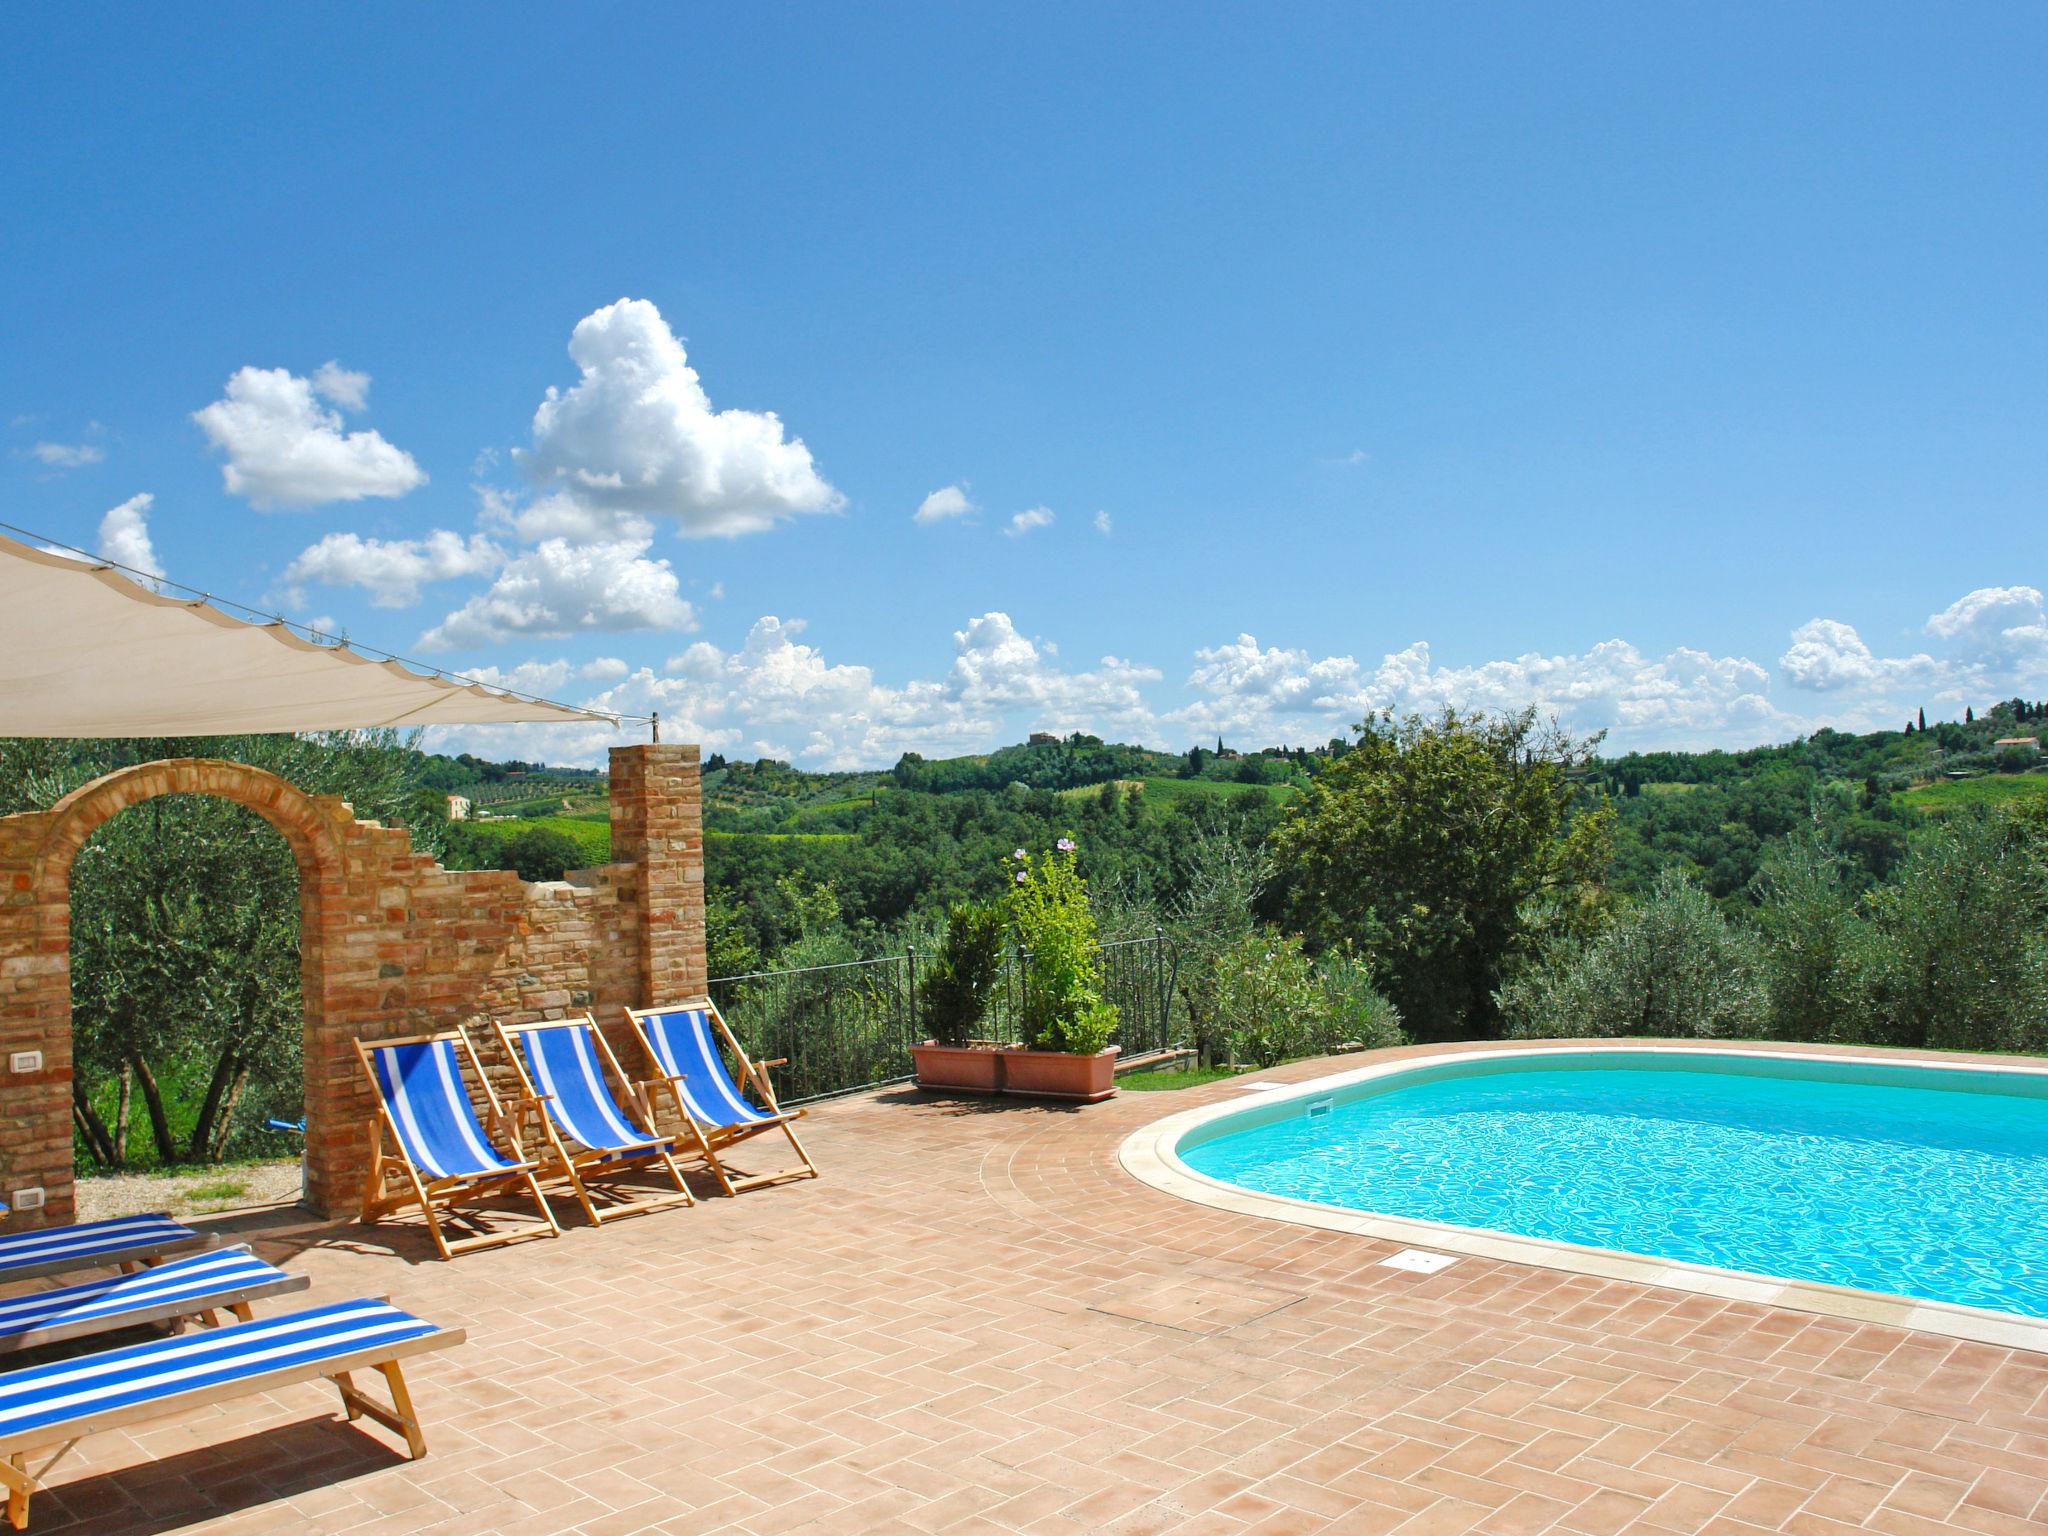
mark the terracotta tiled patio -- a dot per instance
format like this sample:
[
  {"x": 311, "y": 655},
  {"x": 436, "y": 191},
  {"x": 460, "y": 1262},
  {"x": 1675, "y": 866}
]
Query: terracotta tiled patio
[{"x": 977, "y": 1322}]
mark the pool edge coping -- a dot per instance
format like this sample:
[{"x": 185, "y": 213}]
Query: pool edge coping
[{"x": 1148, "y": 1155}]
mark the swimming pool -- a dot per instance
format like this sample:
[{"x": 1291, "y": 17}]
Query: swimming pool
[{"x": 1924, "y": 1182}]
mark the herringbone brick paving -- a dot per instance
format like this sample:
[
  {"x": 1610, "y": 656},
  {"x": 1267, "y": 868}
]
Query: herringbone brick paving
[{"x": 976, "y": 1322}]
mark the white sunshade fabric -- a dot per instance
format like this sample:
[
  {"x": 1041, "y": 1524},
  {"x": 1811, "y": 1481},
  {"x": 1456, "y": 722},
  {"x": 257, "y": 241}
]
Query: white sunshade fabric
[{"x": 84, "y": 651}]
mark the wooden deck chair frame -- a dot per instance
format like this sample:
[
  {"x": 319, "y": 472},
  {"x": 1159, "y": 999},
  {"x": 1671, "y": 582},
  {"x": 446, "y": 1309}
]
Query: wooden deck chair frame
[
  {"x": 18, "y": 1482},
  {"x": 580, "y": 1166},
  {"x": 434, "y": 1196},
  {"x": 203, "y": 1305},
  {"x": 713, "y": 1140},
  {"x": 170, "y": 1240}
]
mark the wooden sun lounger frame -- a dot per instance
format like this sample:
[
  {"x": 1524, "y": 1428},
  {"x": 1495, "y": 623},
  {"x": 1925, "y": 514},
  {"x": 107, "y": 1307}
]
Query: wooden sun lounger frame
[
  {"x": 712, "y": 1140},
  {"x": 233, "y": 1299},
  {"x": 436, "y": 1195},
  {"x": 400, "y": 1417},
  {"x": 580, "y": 1168},
  {"x": 128, "y": 1260}
]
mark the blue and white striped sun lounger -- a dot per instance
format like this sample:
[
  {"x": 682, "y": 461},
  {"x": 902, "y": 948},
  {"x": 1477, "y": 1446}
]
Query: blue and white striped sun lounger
[
  {"x": 444, "y": 1155},
  {"x": 562, "y": 1066},
  {"x": 126, "y": 1240},
  {"x": 50, "y": 1405},
  {"x": 197, "y": 1285},
  {"x": 682, "y": 1044}
]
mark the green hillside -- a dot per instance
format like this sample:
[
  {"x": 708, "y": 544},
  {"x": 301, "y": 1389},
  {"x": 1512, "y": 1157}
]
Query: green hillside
[
  {"x": 593, "y": 837},
  {"x": 1994, "y": 790},
  {"x": 1159, "y": 795}
]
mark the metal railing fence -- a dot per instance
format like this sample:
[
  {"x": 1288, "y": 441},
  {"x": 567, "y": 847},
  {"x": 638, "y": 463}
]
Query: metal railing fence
[{"x": 850, "y": 1026}]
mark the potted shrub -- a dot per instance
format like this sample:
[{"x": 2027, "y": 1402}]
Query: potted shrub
[
  {"x": 953, "y": 997},
  {"x": 1066, "y": 1020}
]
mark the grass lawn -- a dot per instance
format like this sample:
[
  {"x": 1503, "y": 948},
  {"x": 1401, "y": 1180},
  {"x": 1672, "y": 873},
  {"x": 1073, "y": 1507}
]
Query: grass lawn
[
  {"x": 1992, "y": 790},
  {"x": 1156, "y": 1082}
]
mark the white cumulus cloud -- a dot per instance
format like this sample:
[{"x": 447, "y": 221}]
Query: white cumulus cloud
[
  {"x": 780, "y": 694},
  {"x": 1103, "y": 525},
  {"x": 344, "y": 386},
  {"x": 1686, "y": 697},
  {"x": 1829, "y": 656},
  {"x": 638, "y": 434},
  {"x": 997, "y": 668},
  {"x": 1028, "y": 520},
  {"x": 562, "y": 587},
  {"x": 1996, "y": 623},
  {"x": 948, "y": 501},
  {"x": 124, "y": 535},
  {"x": 285, "y": 448},
  {"x": 392, "y": 571}
]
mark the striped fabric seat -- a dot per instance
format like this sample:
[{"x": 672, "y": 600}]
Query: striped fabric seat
[
  {"x": 93, "y": 1244},
  {"x": 589, "y": 1136},
  {"x": 682, "y": 1043},
  {"x": 421, "y": 1083},
  {"x": 48, "y": 1395},
  {"x": 689, "y": 1042},
  {"x": 429, "y": 1149},
  {"x": 185, "y": 1287},
  {"x": 562, "y": 1063},
  {"x": 49, "y": 1405}
]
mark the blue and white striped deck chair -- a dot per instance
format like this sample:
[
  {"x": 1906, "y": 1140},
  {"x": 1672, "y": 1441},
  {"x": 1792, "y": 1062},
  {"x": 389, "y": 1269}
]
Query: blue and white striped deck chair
[
  {"x": 441, "y": 1155},
  {"x": 125, "y": 1241},
  {"x": 562, "y": 1064},
  {"x": 200, "y": 1285},
  {"x": 46, "y": 1407},
  {"x": 687, "y": 1044}
]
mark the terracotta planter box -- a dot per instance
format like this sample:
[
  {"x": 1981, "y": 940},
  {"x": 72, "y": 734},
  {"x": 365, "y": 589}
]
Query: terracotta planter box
[
  {"x": 958, "y": 1068},
  {"x": 1057, "y": 1075}
]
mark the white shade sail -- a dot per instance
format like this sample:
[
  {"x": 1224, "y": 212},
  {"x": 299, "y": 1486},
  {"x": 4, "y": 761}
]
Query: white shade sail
[{"x": 85, "y": 651}]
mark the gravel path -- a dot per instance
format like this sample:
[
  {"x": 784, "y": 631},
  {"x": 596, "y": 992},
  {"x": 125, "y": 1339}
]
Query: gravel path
[{"x": 226, "y": 1188}]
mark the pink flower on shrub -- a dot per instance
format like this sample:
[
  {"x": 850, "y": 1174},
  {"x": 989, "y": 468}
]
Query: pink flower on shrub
[
  {"x": 1020, "y": 855},
  {"x": 1065, "y": 845},
  {"x": 1021, "y": 877}
]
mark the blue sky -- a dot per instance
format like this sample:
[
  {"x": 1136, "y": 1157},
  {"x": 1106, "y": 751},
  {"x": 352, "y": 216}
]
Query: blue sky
[{"x": 1678, "y": 370}]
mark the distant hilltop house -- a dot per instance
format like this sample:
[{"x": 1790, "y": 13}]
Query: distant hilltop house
[
  {"x": 1043, "y": 739},
  {"x": 2024, "y": 743},
  {"x": 458, "y": 808}
]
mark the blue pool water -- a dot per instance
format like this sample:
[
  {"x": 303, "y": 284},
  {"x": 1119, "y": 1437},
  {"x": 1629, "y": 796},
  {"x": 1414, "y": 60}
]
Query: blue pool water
[{"x": 1901, "y": 1184}]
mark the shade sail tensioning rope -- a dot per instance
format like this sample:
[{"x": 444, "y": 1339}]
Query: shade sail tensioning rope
[{"x": 87, "y": 651}]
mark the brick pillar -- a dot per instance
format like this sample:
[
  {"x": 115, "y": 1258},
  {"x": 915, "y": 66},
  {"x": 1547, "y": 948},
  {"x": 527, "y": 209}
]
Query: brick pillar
[
  {"x": 35, "y": 1015},
  {"x": 658, "y": 828}
]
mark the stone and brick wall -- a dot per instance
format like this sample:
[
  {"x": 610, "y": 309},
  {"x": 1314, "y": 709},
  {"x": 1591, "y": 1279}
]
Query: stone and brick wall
[{"x": 391, "y": 944}]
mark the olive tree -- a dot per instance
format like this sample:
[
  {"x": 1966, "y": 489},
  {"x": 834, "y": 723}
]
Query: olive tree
[
  {"x": 1962, "y": 958},
  {"x": 1672, "y": 965},
  {"x": 185, "y": 931}
]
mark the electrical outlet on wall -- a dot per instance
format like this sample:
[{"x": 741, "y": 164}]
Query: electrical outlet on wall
[
  {"x": 25, "y": 1061},
  {"x": 28, "y": 1199}
]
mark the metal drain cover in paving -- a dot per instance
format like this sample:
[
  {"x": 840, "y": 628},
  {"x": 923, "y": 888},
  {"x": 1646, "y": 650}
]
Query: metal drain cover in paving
[{"x": 1195, "y": 1306}]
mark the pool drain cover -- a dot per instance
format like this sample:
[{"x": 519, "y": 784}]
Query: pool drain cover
[{"x": 1416, "y": 1261}]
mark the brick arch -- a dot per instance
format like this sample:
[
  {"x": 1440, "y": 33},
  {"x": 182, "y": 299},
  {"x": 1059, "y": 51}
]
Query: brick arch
[
  {"x": 312, "y": 827},
  {"x": 308, "y": 824},
  {"x": 390, "y": 943}
]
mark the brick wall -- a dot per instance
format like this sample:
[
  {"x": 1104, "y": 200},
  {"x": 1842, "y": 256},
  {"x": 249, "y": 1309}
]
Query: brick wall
[{"x": 391, "y": 944}]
